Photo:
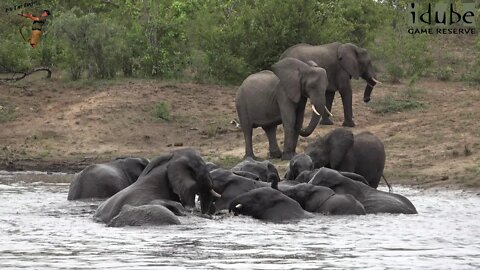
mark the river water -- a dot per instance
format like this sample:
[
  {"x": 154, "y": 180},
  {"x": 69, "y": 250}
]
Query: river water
[{"x": 40, "y": 229}]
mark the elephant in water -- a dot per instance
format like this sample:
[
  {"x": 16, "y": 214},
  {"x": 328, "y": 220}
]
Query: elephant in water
[
  {"x": 319, "y": 199},
  {"x": 363, "y": 154},
  {"x": 341, "y": 62},
  {"x": 104, "y": 180},
  {"x": 268, "y": 204},
  {"x": 374, "y": 201},
  {"x": 267, "y": 99},
  {"x": 259, "y": 170},
  {"x": 177, "y": 176},
  {"x": 297, "y": 165}
]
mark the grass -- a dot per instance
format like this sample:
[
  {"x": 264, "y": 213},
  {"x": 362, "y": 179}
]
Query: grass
[
  {"x": 228, "y": 161},
  {"x": 7, "y": 112},
  {"x": 392, "y": 103},
  {"x": 162, "y": 111}
]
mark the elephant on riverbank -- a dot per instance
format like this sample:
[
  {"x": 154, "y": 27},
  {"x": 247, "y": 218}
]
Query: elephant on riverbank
[
  {"x": 105, "y": 180},
  {"x": 341, "y": 62},
  {"x": 267, "y": 99},
  {"x": 177, "y": 176},
  {"x": 373, "y": 200},
  {"x": 362, "y": 153}
]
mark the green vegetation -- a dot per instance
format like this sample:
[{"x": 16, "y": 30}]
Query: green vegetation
[
  {"x": 398, "y": 102},
  {"x": 227, "y": 161},
  {"x": 162, "y": 111},
  {"x": 219, "y": 41}
]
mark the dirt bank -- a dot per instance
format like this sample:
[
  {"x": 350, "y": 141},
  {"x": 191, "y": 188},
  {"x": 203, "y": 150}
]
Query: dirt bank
[{"x": 57, "y": 126}]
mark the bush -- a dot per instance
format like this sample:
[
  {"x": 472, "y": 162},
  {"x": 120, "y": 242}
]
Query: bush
[
  {"x": 444, "y": 74},
  {"x": 391, "y": 103},
  {"x": 162, "y": 111}
]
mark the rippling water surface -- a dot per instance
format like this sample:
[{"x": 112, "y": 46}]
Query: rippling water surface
[{"x": 40, "y": 229}]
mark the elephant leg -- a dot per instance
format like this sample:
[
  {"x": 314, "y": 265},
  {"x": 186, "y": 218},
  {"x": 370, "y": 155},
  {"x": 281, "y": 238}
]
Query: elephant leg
[
  {"x": 247, "y": 133},
  {"x": 288, "y": 120},
  {"x": 274, "y": 150},
  {"x": 346, "y": 94},
  {"x": 329, "y": 96}
]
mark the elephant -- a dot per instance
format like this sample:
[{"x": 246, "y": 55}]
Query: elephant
[
  {"x": 298, "y": 164},
  {"x": 259, "y": 170},
  {"x": 267, "y": 99},
  {"x": 104, "y": 180},
  {"x": 319, "y": 199},
  {"x": 143, "y": 215},
  {"x": 230, "y": 185},
  {"x": 362, "y": 153},
  {"x": 341, "y": 62},
  {"x": 373, "y": 200},
  {"x": 267, "y": 204},
  {"x": 177, "y": 176}
]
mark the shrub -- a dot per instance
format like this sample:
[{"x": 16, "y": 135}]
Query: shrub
[
  {"x": 392, "y": 103},
  {"x": 444, "y": 74},
  {"x": 162, "y": 111}
]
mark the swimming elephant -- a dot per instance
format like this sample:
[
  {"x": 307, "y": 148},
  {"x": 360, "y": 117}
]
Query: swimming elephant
[
  {"x": 177, "y": 176},
  {"x": 267, "y": 99},
  {"x": 298, "y": 164},
  {"x": 144, "y": 215},
  {"x": 267, "y": 204},
  {"x": 362, "y": 153},
  {"x": 259, "y": 170},
  {"x": 230, "y": 185},
  {"x": 320, "y": 199},
  {"x": 374, "y": 201},
  {"x": 342, "y": 62},
  {"x": 104, "y": 180}
]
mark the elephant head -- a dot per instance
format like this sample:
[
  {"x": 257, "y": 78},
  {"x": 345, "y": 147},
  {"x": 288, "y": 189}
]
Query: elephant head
[
  {"x": 357, "y": 63},
  {"x": 334, "y": 150},
  {"x": 298, "y": 80},
  {"x": 297, "y": 165},
  {"x": 188, "y": 175},
  {"x": 132, "y": 167}
]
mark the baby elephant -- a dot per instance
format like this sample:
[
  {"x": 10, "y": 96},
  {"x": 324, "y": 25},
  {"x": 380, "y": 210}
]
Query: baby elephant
[
  {"x": 263, "y": 171},
  {"x": 105, "y": 180},
  {"x": 297, "y": 165}
]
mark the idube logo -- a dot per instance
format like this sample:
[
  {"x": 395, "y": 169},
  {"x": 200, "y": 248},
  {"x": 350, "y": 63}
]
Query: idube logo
[{"x": 441, "y": 18}]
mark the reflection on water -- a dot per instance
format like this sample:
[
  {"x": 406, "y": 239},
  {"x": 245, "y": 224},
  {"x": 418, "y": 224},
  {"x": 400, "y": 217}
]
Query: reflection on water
[{"x": 39, "y": 228}]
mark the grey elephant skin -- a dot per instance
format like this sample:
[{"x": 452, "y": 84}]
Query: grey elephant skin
[
  {"x": 259, "y": 170},
  {"x": 268, "y": 204},
  {"x": 320, "y": 199},
  {"x": 298, "y": 164},
  {"x": 177, "y": 176},
  {"x": 374, "y": 201},
  {"x": 144, "y": 215},
  {"x": 267, "y": 99},
  {"x": 362, "y": 153},
  {"x": 341, "y": 62},
  {"x": 105, "y": 180}
]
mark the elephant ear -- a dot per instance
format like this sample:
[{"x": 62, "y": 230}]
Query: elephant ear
[
  {"x": 288, "y": 70},
  {"x": 339, "y": 142},
  {"x": 182, "y": 181},
  {"x": 158, "y": 161},
  {"x": 347, "y": 56}
]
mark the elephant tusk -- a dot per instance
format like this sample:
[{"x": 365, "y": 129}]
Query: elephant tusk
[
  {"x": 376, "y": 81},
  {"x": 215, "y": 194},
  {"x": 328, "y": 112},
  {"x": 238, "y": 206}
]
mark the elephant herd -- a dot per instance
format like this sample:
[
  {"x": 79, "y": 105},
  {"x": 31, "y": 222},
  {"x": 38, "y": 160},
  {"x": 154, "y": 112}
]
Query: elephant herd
[
  {"x": 141, "y": 192},
  {"x": 304, "y": 72}
]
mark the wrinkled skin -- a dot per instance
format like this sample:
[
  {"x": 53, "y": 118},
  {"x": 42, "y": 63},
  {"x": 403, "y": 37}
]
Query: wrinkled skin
[
  {"x": 298, "y": 164},
  {"x": 230, "y": 185},
  {"x": 104, "y": 180},
  {"x": 374, "y": 201},
  {"x": 267, "y": 99},
  {"x": 341, "y": 62},
  {"x": 178, "y": 176},
  {"x": 363, "y": 153},
  {"x": 144, "y": 215},
  {"x": 260, "y": 170},
  {"x": 267, "y": 204},
  {"x": 319, "y": 199}
]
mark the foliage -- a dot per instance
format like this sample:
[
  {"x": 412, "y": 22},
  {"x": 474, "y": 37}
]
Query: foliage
[
  {"x": 391, "y": 103},
  {"x": 162, "y": 111},
  {"x": 444, "y": 73}
]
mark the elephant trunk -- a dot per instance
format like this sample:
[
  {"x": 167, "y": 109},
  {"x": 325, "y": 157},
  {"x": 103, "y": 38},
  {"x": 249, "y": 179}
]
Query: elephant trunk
[
  {"x": 371, "y": 82},
  {"x": 311, "y": 126}
]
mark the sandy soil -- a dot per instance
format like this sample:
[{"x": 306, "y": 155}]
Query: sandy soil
[{"x": 60, "y": 126}]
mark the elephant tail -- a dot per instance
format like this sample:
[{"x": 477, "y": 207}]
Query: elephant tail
[{"x": 390, "y": 189}]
